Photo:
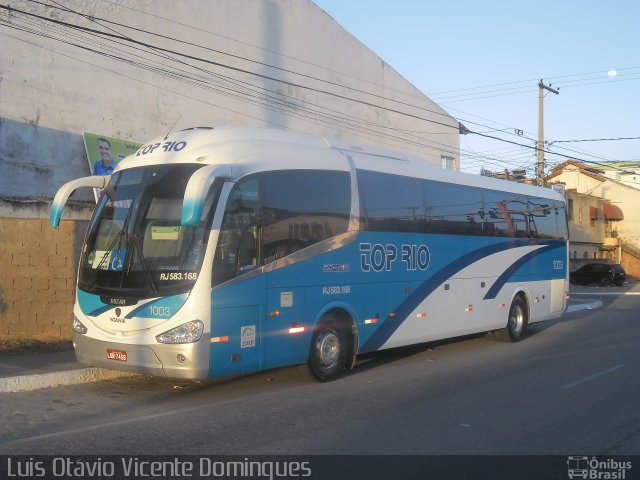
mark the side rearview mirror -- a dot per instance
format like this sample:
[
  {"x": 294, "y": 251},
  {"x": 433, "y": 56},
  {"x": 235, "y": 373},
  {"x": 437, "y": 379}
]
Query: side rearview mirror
[{"x": 94, "y": 181}]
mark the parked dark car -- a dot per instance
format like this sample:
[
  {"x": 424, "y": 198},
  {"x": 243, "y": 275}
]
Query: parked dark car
[{"x": 604, "y": 274}]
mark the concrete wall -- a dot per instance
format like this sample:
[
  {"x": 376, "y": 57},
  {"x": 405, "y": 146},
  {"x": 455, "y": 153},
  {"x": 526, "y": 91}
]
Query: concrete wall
[
  {"x": 631, "y": 261},
  {"x": 51, "y": 91}
]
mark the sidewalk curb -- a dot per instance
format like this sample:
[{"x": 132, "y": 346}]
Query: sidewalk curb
[
  {"x": 24, "y": 383},
  {"x": 605, "y": 293}
]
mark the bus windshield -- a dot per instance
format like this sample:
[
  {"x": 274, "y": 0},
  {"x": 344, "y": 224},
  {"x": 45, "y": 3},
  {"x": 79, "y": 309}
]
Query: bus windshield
[{"x": 135, "y": 245}]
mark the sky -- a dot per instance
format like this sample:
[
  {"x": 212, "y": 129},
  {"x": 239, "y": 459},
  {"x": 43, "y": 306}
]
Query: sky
[{"x": 482, "y": 60}]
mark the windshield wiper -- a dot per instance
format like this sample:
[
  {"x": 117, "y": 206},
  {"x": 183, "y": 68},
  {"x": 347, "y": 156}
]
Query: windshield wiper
[
  {"x": 112, "y": 244},
  {"x": 135, "y": 247}
]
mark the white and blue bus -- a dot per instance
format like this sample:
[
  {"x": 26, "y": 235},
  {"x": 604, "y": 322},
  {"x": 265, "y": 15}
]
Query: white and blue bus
[{"x": 215, "y": 252}]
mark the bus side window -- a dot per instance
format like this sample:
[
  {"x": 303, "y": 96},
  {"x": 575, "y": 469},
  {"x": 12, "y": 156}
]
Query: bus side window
[
  {"x": 247, "y": 251},
  {"x": 301, "y": 208}
]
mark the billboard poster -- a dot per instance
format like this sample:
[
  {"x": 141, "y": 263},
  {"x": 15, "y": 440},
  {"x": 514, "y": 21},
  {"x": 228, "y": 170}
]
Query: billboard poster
[{"x": 104, "y": 153}]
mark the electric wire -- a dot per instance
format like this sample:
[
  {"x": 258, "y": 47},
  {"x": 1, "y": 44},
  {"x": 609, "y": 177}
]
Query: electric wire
[
  {"x": 297, "y": 106},
  {"x": 419, "y": 144},
  {"x": 282, "y": 106},
  {"x": 244, "y": 70},
  {"x": 94, "y": 19},
  {"x": 597, "y": 140},
  {"x": 254, "y": 73},
  {"x": 281, "y": 125},
  {"x": 554, "y": 78}
]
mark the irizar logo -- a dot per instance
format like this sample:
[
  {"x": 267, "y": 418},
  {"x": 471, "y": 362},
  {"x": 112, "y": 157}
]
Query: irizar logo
[{"x": 592, "y": 468}]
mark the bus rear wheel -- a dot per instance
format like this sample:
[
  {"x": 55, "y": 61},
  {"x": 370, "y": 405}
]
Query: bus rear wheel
[
  {"x": 328, "y": 353},
  {"x": 516, "y": 322}
]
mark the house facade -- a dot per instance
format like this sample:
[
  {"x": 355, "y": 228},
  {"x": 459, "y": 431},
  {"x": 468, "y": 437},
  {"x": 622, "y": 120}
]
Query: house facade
[{"x": 604, "y": 221}]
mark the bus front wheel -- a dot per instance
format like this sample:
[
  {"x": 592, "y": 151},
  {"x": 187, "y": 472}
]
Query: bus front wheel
[
  {"x": 516, "y": 322},
  {"x": 328, "y": 354}
]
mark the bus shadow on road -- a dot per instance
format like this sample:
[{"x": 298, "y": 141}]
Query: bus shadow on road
[{"x": 373, "y": 360}]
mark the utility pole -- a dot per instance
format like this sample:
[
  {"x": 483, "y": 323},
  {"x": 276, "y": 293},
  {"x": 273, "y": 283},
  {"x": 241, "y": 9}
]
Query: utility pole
[{"x": 540, "y": 147}]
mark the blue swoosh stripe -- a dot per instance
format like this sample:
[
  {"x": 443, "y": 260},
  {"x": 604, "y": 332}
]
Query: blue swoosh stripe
[
  {"x": 391, "y": 324},
  {"x": 101, "y": 310},
  {"x": 133, "y": 312},
  {"x": 504, "y": 278}
]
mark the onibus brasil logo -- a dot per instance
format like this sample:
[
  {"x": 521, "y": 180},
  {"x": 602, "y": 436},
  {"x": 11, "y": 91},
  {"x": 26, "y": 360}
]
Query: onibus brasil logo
[{"x": 593, "y": 468}]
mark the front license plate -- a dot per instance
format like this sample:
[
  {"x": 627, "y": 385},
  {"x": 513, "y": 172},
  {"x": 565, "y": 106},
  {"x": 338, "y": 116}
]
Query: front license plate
[{"x": 119, "y": 355}]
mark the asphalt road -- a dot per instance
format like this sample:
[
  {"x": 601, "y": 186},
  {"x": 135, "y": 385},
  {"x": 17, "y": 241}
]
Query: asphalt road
[{"x": 569, "y": 388}]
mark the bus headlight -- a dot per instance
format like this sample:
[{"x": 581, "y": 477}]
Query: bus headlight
[
  {"x": 77, "y": 326},
  {"x": 186, "y": 333}
]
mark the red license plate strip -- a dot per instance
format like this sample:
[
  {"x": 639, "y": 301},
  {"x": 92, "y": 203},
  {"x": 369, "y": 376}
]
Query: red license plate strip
[{"x": 119, "y": 355}]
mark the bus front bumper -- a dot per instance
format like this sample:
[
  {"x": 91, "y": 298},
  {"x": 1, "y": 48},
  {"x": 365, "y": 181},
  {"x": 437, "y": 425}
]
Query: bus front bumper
[{"x": 189, "y": 360}]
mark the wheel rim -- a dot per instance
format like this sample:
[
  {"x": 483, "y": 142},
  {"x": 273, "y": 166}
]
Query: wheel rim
[
  {"x": 516, "y": 320},
  {"x": 328, "y": 349}
]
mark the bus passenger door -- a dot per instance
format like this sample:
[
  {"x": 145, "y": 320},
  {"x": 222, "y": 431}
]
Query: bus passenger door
[
  {"x": 238, "y": 296},
  {"x": 236, "y": 328},
  {"x": 286, "y": 332}
]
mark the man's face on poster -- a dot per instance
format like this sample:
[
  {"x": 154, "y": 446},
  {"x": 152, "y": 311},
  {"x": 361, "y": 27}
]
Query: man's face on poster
[{"x": 105, "y": 152}]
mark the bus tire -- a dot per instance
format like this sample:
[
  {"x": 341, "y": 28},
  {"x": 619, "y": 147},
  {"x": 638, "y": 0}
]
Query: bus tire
[
  {"x": 328, "y": 353},
  {"x": 517, "y": 321}
]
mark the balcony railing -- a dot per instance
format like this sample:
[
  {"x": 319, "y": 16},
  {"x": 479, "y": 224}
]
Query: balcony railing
[{"x": 610, "y": 243}]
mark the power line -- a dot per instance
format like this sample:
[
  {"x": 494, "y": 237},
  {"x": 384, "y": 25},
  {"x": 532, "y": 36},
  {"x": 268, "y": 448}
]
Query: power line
[
  {"x": 327, "y": 68},
  {"x": 597, "y": 140},
  {"x": 241, "y": 70},
  {"x": 66, "y": 24},
  {"x": 445, "y": 101},
  {"x": 332, "y": 123},
  {"x": 262, "y": 97},
  {"x": 219, "y": 64},
  {"x": 544, "y": 150},
  {"x": 298, "y": 106},
  {"x": 274, "y": 52},
  {"x": 528, "y": 81}
]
